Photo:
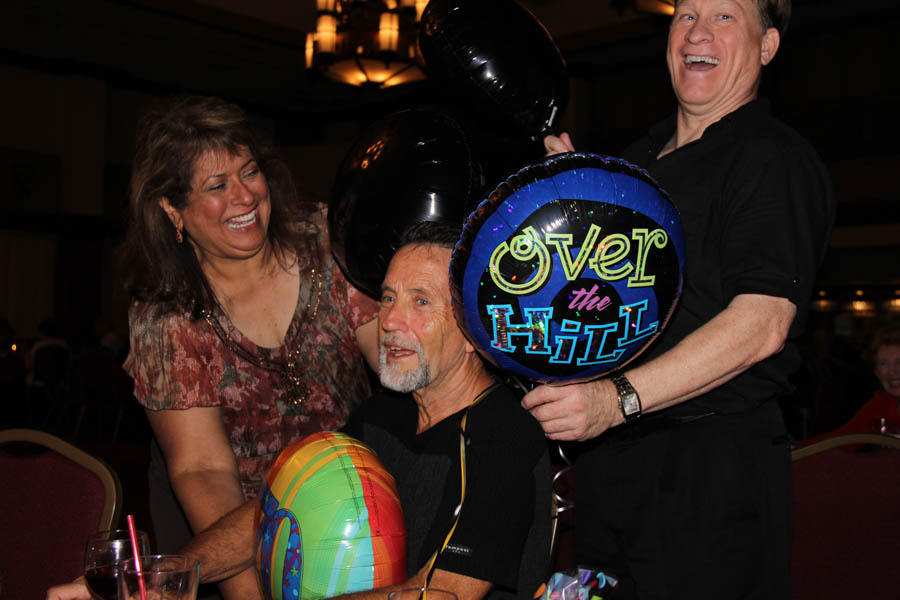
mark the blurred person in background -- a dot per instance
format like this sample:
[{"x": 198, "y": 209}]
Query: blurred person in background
[{"x": 880, "y": 414}]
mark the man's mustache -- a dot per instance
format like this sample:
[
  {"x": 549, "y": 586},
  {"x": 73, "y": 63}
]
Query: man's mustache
[{"x": 395, "y": 340}]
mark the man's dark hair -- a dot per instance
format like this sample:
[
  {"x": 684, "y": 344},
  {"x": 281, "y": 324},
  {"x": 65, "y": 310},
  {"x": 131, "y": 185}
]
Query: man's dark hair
[{"x": 439, "y": 233}]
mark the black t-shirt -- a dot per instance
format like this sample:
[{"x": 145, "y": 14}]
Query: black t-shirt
[
  {"x": 757, "y": 206},
  {"x": 503, "y": 535}
]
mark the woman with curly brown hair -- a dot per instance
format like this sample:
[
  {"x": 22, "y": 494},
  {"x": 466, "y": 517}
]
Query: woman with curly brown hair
[{"x": 244, "y": 334}]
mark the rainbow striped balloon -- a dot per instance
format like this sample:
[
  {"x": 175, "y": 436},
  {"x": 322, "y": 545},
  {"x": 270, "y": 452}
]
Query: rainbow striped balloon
[{"x": 330, "y": 521}]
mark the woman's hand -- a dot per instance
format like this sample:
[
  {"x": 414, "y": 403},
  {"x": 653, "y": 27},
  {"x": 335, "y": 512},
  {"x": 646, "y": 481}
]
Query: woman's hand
[{"x": 77, "y": 590}]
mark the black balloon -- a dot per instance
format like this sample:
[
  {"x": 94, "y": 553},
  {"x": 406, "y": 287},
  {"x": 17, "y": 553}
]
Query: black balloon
[
  {"x": 410, "y": 167},
  {"x": 500, "y": 52}
]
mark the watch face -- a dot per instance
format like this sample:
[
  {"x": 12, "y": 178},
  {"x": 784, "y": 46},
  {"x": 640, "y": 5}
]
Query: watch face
[{"x": 630, "y": 404}]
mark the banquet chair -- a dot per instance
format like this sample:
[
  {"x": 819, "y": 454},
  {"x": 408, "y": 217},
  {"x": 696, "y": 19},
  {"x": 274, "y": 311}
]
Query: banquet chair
[
  {"x": 52, "y": 495},
  {"x": 846, "y": 523}
]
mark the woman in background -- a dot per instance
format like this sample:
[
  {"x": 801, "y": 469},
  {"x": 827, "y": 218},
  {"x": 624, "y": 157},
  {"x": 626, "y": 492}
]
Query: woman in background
[
  {"x": 244, "y": 334},
  {"x": 880, "y": 414}
]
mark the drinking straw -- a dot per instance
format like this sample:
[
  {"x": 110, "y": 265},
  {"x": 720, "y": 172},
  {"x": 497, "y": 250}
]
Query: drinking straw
[{"x": 132, "y": 532}]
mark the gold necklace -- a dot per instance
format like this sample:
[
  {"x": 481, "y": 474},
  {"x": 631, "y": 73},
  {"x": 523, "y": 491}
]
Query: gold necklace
[{"x": 288, "y": 372}]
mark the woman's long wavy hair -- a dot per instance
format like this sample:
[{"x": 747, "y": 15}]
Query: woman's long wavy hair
[{"x": 156, "y": 269}]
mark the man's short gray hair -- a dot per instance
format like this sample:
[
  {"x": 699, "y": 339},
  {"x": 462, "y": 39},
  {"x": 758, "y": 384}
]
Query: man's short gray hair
[{"x": 774, "y": 13}]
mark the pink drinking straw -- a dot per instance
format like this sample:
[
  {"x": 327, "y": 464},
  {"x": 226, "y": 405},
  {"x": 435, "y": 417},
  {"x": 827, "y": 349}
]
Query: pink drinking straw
[{"x": 132, "y": 532}]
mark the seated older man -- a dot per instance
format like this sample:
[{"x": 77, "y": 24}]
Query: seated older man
[{"x": 440, "y": 391}]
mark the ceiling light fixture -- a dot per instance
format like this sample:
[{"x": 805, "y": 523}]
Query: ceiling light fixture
[
  {"x": 368, "y": 43},
  {"x": 661, "y": 7}
]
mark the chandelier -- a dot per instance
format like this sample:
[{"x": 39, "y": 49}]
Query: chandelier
[
  {"x": 370, "y": 43},
  {"x": 662, "y": 7}
]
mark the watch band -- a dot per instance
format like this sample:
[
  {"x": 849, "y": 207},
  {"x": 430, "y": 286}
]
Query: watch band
[{"x": 629, "y": 400}]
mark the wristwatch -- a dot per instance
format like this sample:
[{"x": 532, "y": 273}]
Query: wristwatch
[{"x": 629, "y": 401}]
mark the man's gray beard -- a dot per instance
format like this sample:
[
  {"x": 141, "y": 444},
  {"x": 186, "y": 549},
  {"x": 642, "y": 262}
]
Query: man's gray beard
[{"x": 406, "y": 381}]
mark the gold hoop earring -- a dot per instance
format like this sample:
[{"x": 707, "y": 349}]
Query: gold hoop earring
[{"x": 178, "y": 237}]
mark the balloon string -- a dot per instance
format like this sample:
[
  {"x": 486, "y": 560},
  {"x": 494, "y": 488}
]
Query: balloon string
[
  {"x": 462, "y": 475},
  {"x": 518, "y": 383},
  {"x": 562, "y": 504}
]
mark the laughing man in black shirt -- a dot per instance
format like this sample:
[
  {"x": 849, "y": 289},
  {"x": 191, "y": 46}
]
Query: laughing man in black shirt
[{"x": 693, "y": 498}]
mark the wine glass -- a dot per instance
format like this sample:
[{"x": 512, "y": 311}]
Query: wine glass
[{"x": 104, "y": 549}]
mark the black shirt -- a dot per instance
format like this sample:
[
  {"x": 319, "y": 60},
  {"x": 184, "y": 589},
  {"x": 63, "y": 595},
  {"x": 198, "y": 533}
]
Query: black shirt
[
  {"x": 503, "y": 535},
  {"x": 757, "y": 206}
]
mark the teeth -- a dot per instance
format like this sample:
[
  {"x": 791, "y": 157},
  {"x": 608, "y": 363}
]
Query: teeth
[
  {"x": 395, "y": 350},
  {"x": 245, "y": 219},
  {"x": 693, "y": 58}
]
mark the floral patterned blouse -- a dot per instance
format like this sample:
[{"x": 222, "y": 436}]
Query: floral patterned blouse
[{"x": 178, "y": 363}]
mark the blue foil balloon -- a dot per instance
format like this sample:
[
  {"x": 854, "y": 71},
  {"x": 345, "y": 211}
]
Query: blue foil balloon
[{"x": 569, "y": 268}]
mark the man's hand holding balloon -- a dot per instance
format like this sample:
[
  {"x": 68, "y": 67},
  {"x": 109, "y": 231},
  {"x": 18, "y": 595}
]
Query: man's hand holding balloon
[
  {"x": 558, "y": 145},
  {"x": 574, "y": 412}
]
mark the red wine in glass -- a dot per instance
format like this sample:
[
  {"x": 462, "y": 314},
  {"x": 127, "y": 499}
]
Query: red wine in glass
[
  {"x": 104, "y": 549},
  {"x": 102, "y": 581}
]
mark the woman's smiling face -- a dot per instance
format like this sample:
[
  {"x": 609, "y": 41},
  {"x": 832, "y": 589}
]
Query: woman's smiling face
[
  {"x": 887, "y": 368},
  {"x": 228, "y": 208}
]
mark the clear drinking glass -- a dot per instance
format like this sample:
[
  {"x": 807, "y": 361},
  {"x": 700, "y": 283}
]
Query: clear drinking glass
[
  {"x": 103, "y": 550},
  {"x": 422, "y": 594},
  {"x": 164, "y": 577}
]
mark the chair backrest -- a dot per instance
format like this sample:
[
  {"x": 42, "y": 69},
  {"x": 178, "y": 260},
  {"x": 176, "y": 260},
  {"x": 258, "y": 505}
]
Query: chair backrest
[
  {"x": 846, "y": 518},
  {"x": 52, "y": 495}
]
